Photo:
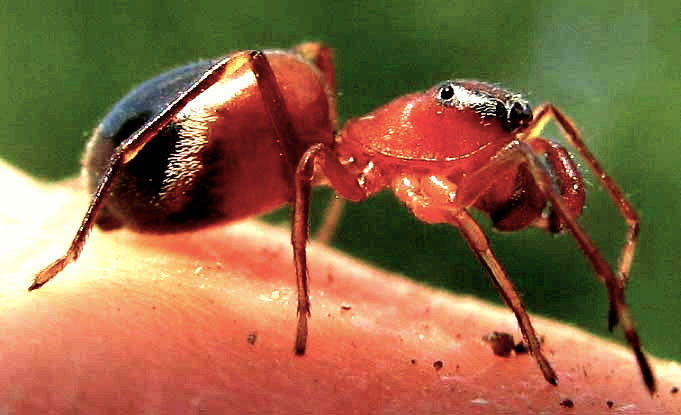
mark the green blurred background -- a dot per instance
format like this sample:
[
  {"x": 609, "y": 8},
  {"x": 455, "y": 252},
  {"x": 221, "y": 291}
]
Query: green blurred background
[{"x": 613, "y": 67}]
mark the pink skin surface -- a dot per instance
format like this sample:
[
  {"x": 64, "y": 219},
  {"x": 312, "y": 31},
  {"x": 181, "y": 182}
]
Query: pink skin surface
[{"x": 204, "y": 322}]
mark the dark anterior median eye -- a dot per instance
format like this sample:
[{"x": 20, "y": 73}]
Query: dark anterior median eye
[
  {"x": 515, "y": 117},
  {"x": 519, "y": 115}
]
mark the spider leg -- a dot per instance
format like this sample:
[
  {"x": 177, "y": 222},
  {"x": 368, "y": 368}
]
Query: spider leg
[
  {"x": 435, "y": 200},
  {"x": 619, "y": 310},
  {"x": 545, "y": 113},
  {"x": 125, "y": 152}
]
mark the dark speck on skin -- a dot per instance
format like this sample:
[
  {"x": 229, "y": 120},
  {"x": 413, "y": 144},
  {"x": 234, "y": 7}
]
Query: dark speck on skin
[
  {"x": 567, "y": 403},
  {"x": 501, "y": 343}
]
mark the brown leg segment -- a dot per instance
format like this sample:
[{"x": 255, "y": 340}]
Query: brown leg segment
[
  {"x": 346, "y": 185},
  {"x": 301, "y": 180},
  {"x": 479, "y": 244},
  {"x": 79, "y": 240},
  {"x": 567, "y": 180},
  {"x": 301, "y": 173},
  {"x": 431, "y": 202},
  {"x": 299, "y": 235},
  {"x": 331, "y": 218},
  {"x": 275, "y": 107}
]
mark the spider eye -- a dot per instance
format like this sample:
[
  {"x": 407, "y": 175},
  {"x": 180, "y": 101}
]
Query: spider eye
[
  {"x": 520, "y": 111},
  {"x": 445, "y": 92},
  {"x": 519, "y": 115},
  {"x": 513, "y": 114}
]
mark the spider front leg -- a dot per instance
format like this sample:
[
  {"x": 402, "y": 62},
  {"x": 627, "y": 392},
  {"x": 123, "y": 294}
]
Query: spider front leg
[
  {"x": 435, "y": 200},
  {"x": 544, "y": 114},
  {"x": 619, "y": 310}
]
